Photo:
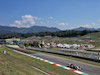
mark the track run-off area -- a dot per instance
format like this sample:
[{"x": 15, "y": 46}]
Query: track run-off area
[{"x": 87, "y": 69}]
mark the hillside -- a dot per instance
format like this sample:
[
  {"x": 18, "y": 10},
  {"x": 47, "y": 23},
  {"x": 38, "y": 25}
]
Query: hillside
[
  {"x": 84, "y": 28},
  {"x": 33, "y": 29},
  {"x": 92, "y": 35}
]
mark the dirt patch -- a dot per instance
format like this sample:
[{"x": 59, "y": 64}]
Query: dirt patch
[
  {"x": 95, "y": 49},
  {"x": 14, "y": 46}
]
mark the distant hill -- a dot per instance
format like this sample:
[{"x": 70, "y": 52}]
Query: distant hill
[
  {"x": 84, "y": 28},
  {"x": 33, "y": 29},
  {"x": 98, "y": 29},
  {"x": 36, "y": 29}
]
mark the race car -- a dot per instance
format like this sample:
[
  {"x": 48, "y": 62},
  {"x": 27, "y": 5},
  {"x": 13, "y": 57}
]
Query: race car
[{"x": 72, "y": 66}]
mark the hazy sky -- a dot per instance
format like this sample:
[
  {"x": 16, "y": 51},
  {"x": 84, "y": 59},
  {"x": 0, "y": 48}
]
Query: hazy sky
[{"x": 63, "y": 14}]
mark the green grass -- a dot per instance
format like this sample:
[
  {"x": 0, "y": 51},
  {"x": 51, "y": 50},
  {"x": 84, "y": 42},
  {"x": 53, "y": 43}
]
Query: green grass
[
  {"x": 73, "y": 58},
  {"x": 18, "y": 64},
  {"x": 12, "y": 65},
  {"x": 92, "y": 35}
]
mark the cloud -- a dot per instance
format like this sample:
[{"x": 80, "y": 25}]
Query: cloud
[
  {"x": 18, "y": 22},
  {"x": 25, "y": 19},
  {"x": 48, "y": 21},
  {"x": 42, "y": 23},
  {"x": 73, "y": 27},
  {"x": 63, "y": 24},
  {"x": 19, "y": 26},
  {"x": 87, "y": 25},
  {"x": 28, "y": 18},
  {"x": 93, "y": 23},
  {"x": 99, "y": 20},
  {"x": 13, "y": 25},
  {"x": 50, "y": 17},
  {"x": 36, "y": 18}
]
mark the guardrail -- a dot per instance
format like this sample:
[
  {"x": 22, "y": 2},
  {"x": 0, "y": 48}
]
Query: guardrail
[{"x": 79, "y": 54}]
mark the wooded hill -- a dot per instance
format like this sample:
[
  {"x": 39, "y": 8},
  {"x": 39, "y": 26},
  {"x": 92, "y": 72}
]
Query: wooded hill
[
  {"x": 67, "y": 33},
  {"x": 33, "y": 29}
]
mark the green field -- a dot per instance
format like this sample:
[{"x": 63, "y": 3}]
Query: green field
[
  {"x": 18, "y": 64},
  {"x": 92, "y": 35}
]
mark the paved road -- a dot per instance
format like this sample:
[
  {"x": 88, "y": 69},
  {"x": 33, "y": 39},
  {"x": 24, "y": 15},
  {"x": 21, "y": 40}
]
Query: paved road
[{"x": 86, "y": 68}]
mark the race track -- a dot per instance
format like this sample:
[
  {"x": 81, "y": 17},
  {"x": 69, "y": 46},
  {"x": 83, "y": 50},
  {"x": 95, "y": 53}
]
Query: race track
[{"x": 86, "y": 68}]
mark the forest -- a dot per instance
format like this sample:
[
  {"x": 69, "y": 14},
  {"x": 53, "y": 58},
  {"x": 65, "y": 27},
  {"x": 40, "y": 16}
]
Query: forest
[{"x": 67, "y": 33}]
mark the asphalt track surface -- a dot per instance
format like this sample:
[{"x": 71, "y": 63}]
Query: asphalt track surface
[{"x": 86, "y": 68}]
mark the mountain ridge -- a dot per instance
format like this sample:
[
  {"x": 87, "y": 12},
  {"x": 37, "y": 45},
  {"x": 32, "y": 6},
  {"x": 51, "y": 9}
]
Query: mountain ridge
[
  {"x": 33, "y": 29},
  {"x": 36, "y": 29},
  {"x": 85, "y": 28}
]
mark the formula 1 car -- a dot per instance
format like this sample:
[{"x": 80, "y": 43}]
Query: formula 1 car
[{"x": 72, "y": 66}]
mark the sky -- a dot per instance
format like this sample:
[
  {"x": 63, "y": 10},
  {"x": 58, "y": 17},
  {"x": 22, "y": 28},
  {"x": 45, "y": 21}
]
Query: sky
[{"x": 62, "y": 14}]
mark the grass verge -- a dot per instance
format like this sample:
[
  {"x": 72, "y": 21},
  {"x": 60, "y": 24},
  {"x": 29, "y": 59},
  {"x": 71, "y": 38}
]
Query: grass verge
[{"x": 18, "y": 64}]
